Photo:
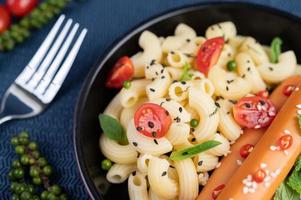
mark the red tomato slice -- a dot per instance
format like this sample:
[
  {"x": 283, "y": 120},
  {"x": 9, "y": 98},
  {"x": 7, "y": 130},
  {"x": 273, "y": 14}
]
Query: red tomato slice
[
  {"x": 285, "y": 142},
  {"x": 21, "y": 8},
  {"x": 152, "y": 120},
  {"x": 4, "y": 19},
  {"x": 122, "y": 71},
  {"x": 254, "y": 112},
  {"x": 209, "y": 54},
  {"x": 263, "y": 93}
]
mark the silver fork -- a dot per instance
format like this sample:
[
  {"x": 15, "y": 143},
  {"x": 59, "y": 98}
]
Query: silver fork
[{"x": 39, "y": 82}]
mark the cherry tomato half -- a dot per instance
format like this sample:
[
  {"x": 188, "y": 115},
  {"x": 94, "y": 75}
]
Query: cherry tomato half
[
  {"x": 4, "y": 19},
  {"x": 263, "y": 93},
  {"x": 122, "y": 71},
  {"x": 259, "y": 176},
  {"x": 21, "y": 8},
  {"x": 288, "y": 90},
  {"x": 217, "y": 191},
  {"x": 245, "y": 150},
  {"x": 152, "y": 120},
  {"x": 209, "y": 53},
  {"x": 254, "y": 112},
  {"x": 285, "y": 142}
]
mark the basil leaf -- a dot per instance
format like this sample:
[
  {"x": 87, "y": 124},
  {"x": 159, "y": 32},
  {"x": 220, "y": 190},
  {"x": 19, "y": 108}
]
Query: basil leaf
[
  {"x": 186, "y": 76},
  {"x": 112, "y": 128},
  {"x": 284, "y": 192},
  {"x": 275, "y": 49},
  {"x": 294, "y": 180},
  {"x": 299, "y": 120},
  {"x": 192, "y": 151}
]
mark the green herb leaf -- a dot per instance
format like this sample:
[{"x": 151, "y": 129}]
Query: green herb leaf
[
  {"x": 186, "y": 76},
  {"x": 294, "y": 180},
  {"x": 275, "y": 49},
  {"x": 192, "y": 151},
  {"x": 112, "y": 128},
  {"x": 299, "y": 120},
  {"x": 284, "y": 192}
]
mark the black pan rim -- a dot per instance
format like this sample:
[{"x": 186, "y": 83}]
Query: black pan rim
[{"x": 93, "y": 72}]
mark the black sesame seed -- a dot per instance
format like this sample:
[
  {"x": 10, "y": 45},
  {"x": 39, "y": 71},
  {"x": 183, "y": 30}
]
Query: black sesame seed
[
  {"x": 227, "y": 88},
  {"x": 219, "y": 26},
  {"x": 217, "y": 104},
  {"x": 164, "y": 173},
  {"x": 218, "y": 132},
  {"x": 200, "y": 163},
  {"x": 156, "y": 142},
  {"x": 172, "y": 52},
  {"x": 229, "y": 54},
  {"x": 154, "y": 134},
  {"x": 177, "y": 119},
  {"x": 162, "y": 77},
  {"x": 243, "y": 76},
  {"x": 230, "y": 81},
  {"x": 180, "y": 109},
  {"x": 248, "y": 105},
  {"x": 193, "y": 140},
  {"x": 153, "y": 62},
  {"x": 134, "y": 173},
  {"x": 147, "y": 67},
  {"x": 161, "y": 103},
  {"x": 188, "y": 40},
  {"x": 135, "y": 144},
  {"x": 248, "y": 68},
  {"x": 185, "y": 153},
  {"x": 174, "y": 81},
  {"x": 156, "y": 73},
  {"x": 139, "y": 128},
  {"x": 171, "y": 166},
  {"x": 150, "y": 124},
  {"x": 168, "y": 99},
  {"x": 162, "y": 70},
  {"x": 212, "y": 28},
  {"x": 248, "y": 61},
  {"x": 166, "y": 112},
  {"x": 232, "y": 101},
  {"x": 153, "y": 79},
  {"x": 271, "y": 68},
  {"x": 152, "y": 89},
  {"x": 138, "y": 155},
  {"x": 192, "y": 130},
  {"x": 183, "y": 82},
  {"x": 228, "y": 113}
]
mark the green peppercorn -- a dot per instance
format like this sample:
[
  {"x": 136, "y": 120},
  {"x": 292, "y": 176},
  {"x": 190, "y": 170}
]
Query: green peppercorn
[
  {"x": 30, "y": 189},
  {"x": 194, "y": 123},
  {"x": 106, "y": 164},
  {"x": 51, "y": 196},
  {"x": 34, "y": 171},
  {"x": 36, "y": 154},
  {"x": 14, "y": 141},
  {"x": 18, "y": 173},
  {"x": 37, "y": 181},
  {"x": 11, "y": 175},
  {"x": 20, "y": 188},
  {"x": 55, "y": 189},
  {"x": 33, "y": 146},
  {"x": 24, "y": 134},
  {"x": 63, "y": 197},
  {"x": 25, "y": 23},
  {"x": 23, "y": 140},
  {"x": 13, "y": 186},
  {"x": 231, "y": 65},
  {"x": 47, "y": 170},
  {"x": 127, "y": 84},
  {"x": 42, "y": 161},
  {"x": 25, "y": 195},
  {"x": 44, "y": 195},
  {"x": 20, "y": 149},
  {"x": 16, "y": 164},
  {"x": 15, "y": 197},
  {"x": 24, "y": 159},
  {"x": 9, "y": 45},
  {"x": 32, "y": 161}
]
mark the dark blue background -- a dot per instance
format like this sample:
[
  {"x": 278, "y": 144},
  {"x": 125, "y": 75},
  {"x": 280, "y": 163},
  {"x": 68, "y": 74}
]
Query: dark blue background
[{"x": 106, "y": 21}]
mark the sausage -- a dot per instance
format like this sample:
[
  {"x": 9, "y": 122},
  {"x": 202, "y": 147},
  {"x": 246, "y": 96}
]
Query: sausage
[
  {"x": 232, "y": 161},
  {"x": 266, "y": 161}
]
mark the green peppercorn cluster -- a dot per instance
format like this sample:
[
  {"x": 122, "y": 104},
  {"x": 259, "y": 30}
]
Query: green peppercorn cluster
[
  {"x": 30, "y": 173},
  {"x": 39, "y": 17}
]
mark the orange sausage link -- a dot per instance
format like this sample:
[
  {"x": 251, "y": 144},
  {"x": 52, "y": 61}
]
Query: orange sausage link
[
  {"x": 276, "y": 164},
  {"x": 229, "y": 164}
]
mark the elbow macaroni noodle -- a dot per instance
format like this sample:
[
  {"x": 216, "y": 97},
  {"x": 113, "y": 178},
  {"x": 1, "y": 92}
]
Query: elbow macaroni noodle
[{"x": 209, "y": 99}]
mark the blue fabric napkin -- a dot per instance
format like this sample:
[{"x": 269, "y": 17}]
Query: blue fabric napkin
[{"x": 106, "y": 20}]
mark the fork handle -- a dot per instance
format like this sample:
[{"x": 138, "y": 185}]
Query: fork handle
[{"x": 4, "y": 117}]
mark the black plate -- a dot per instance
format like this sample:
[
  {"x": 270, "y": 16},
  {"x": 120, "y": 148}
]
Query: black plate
[{"x": 260, "y": 22}]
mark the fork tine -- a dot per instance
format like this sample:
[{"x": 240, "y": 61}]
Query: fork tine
[
  {"x": 57, "y": 62},
  {"x": 39, "y": 55},
  {"x": 33, "y": 82},
  {"x": 61, "y": 75}
]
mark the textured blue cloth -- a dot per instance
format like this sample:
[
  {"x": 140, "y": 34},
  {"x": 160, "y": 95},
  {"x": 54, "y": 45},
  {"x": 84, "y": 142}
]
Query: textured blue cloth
[{"x": 106, "y": 21}]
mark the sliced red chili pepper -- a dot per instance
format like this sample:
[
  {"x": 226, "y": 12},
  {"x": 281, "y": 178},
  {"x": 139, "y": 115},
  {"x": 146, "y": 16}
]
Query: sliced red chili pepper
[
  {"x": 285, "y": 142},
  {"x": 209, "y": 53},
  {"x": 217, "y": 191},
  {"x": 259, "y": 176},
  {"x": 288, "y": 89},
  {"x": 245, "y": 150}
]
